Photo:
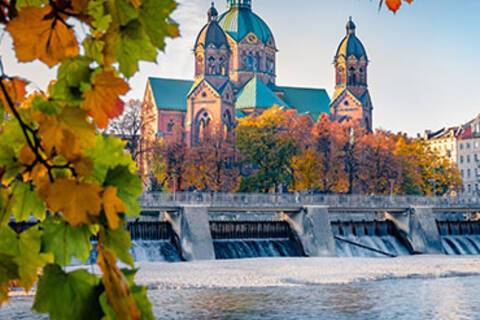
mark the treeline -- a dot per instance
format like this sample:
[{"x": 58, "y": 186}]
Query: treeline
[{"x": 281, "y": 151}]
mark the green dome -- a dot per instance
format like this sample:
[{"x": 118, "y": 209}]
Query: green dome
[
  {"x": 239, "y": 21},
  {"x": 351, "y": 45}
]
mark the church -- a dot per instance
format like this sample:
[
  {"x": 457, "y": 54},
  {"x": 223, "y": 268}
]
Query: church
[{"x": 235, "y": 56}]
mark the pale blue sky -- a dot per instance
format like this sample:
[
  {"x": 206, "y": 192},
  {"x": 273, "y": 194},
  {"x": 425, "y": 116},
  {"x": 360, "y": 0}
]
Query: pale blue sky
[{"x": 425, "y": 63}]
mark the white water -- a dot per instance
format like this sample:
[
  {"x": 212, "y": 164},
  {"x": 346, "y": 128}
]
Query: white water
[
  {"x": 388, "y": 244},
  {"x": 461, "y": 244}
]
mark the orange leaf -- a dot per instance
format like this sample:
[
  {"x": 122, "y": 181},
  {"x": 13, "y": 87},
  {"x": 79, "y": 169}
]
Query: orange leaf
[
  {"x": 78, "y": 201},
  {"x": 40, "y": 34},
  {"x": 394, "y": 5},
  {"x": 112, "y": 205},
  {"x": 16, "y": 92},
  {"x": 116, "y": 286},
  {"x": 102, "y": 101},
  {"x": 136, "y": 3}
]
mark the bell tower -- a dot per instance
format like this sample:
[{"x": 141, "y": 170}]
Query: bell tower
[{"x": 351, "y": 100}]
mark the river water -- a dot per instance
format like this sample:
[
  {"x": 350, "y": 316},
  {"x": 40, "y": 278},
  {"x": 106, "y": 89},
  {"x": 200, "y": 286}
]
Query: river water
[{"x": 407, "y": 288}]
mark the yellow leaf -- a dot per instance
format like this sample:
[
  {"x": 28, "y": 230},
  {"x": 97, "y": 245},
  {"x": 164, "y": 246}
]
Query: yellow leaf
[
  {"x": 78, "y": 201},
  {"x": 40, "y": 33},
  {"x": 15, "y": 90},
  {"x": 102, "y": 101},
  {"x": 112, "y": 206},
  {"x": 116, "y": 287}
]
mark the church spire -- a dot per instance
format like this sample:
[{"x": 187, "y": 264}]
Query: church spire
[
  {"x": 212, "y": 13},
  {"x": 351, "y": 26},
  {"x": 240, "y": 4}
]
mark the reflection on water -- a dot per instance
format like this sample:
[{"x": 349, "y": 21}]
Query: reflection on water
[{"x": 409, "y": 299}]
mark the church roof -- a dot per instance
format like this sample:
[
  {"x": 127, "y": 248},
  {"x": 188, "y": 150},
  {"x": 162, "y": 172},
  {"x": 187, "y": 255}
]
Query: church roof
[
  {"x": 307, "y": 100},
  {"x": 171, "y": 94},
  {"x": 256, "y": 94},
  {"x": 239, "y": 21},
  {"x": 351, "y": 45},
  {"x": 212, "y": 33}
]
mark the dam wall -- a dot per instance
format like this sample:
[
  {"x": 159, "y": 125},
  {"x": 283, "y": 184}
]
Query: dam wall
[{"x": 231, "y": 226}]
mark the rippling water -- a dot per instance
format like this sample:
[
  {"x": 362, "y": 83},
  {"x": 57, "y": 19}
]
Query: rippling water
[{"x": 444, "y": 298}]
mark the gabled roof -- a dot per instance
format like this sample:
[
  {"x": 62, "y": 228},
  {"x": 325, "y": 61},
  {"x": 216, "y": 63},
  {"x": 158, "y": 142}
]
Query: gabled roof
[
  {"x": 307, "y": 100},
  {"x": 170, "y": 94},
  {"x": 256, "y": 94}
]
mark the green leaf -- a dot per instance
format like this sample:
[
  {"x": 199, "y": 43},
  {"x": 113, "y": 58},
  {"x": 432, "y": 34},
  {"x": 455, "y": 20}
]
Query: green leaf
[
  {"x": 118, "y": 241},
  {"x": 108, "y": 152},
  {"x": 72, "y": 74},
  {"x": 133, "y": 45},
  {"x": 26, "y": 202},
  {"x": 8, "y": 272},
  {"x": 96, "y": 10},
  {"x": 139, "y": 294},
  {"x": 26, "y": 250},
  {"x": 65, "y": 241},
  {"x": 94, "y": 49},
  {"x": 154, "y": 16},
  {"x": 73, "y": 296},
  {"x": 34, "y": 3},
  {"x": 125, "y": 12},
  {"x": 129, "y": 188}
]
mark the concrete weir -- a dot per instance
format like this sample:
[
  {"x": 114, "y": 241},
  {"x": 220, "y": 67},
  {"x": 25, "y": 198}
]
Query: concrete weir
[{"x": 227, "y": 226}]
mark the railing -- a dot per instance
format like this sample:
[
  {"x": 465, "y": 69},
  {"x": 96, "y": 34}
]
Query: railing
[{"x": 153, "y": 200}]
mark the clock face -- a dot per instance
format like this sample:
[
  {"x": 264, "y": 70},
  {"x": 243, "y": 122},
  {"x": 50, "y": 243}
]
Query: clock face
[{"x": 251, "y": 38}]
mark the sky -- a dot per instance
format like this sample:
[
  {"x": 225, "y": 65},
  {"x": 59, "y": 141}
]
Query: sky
[{"x": 424, "y": 68}]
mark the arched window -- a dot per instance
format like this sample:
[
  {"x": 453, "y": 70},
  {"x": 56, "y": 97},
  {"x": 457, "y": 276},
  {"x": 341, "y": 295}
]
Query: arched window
[
  {"x": 211, "y": 65},
  {"x": 351, "y": 76},
  {"x": 170, "y": 126},
  {"x": 201, "y": 126},
  {"x": 227, "y": 124}
]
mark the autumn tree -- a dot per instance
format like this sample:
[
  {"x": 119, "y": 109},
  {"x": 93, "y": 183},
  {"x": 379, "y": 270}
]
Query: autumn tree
[
  {"x": 212, "y": 164},
  {"x": 57, "y": 170},
  {"x": 169, "y": 166},
  {"x": 128, "y": 127},
  {"x": 378, "y": 167},
  {"x": 266, "y": 148}
]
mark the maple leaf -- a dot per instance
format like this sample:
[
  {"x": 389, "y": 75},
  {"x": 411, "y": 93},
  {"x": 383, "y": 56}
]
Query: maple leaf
[
  {"x": 112, "y": 206},
  {"x": 65, "y": 241},
  {"x": 78, "y": 201},
  {"x": 16, "y": 92},
  {"x": 39, "y": 33},
  {"x": 102, "y": 100},
  {"x": 73, "y": 295}
]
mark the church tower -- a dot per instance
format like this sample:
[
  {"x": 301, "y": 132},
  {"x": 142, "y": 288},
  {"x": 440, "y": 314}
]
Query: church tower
[
  {"x": 210, "y": 102},
  {"x": 351, "y": 100},
  {"x": 251, "y": 42}
]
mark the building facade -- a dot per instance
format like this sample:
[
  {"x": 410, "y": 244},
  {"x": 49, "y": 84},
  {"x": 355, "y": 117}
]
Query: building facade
[
  {"x": 461, "y": 145},
  {"x": 235, "y": 57}
]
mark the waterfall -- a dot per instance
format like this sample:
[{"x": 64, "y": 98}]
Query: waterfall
[
  {"x": 460, "y": 237},
  {"x": 246, "y": 239},
  {"x": 367, "y": 239}
]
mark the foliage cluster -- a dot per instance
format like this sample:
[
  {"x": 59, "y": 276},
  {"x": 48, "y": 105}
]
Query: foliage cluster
[
  {"x": 281, "y": 151},
  {"x": 57, "y": 170}
]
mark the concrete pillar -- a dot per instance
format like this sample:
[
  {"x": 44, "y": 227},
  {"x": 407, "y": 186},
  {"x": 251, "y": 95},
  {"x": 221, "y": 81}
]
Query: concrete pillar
[
  {"x": 312, "y": 226},
  {"x": 191, "y": 224},
  {"x": 419, "y": 227}
]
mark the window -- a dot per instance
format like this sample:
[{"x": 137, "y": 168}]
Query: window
[
  {"x": 461, "y": 159},
  {"x": 462, "y": 173},
  {"x": 476, "y": 157},
  {"x": 468, "y": 145},
  {"x": 461, "y": 146},
  {"x": 469, "y": 173},
  {"x": 170, "y": 126},
  {"x": 468, "y": 158}
]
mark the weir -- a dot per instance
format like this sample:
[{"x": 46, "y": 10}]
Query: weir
[
  {"x": 250, "y": 239},
  {"x": 154, "y": 241},
  {"x": 460, "y": 237},
  {"x": 368, "y": 239}
]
